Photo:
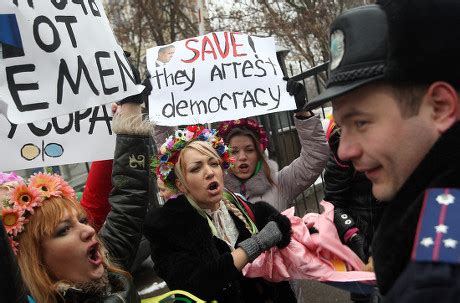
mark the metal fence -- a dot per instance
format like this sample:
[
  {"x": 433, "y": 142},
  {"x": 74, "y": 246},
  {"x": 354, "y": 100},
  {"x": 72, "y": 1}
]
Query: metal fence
[{"x": 284, "y": 145}]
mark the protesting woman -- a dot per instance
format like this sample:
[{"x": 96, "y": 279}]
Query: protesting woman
[
  {"x": 61, "y": 257},
  {"x": 258, "y": 178},
  {"x": 201, "y": 240}
]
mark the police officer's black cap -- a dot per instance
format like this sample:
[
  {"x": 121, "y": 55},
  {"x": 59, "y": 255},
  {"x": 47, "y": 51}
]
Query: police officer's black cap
[
  {"x": 358, "y": 52},
  {"x": 424, "y": 41}
]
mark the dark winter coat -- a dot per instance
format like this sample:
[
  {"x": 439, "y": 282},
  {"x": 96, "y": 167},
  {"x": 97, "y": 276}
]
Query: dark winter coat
[
  {"x": 188, "y": 257},
  {"x": 122, "y": 230},
  {"x": 351, "y": 193},
  {"x": 400, "y": 278}
]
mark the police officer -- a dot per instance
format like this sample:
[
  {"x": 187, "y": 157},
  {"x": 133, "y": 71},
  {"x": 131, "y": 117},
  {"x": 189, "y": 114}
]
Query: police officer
[{"x": 403, "y": 132}]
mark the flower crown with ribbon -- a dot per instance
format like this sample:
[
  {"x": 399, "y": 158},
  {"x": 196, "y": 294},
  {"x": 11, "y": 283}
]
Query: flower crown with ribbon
[
  {"x": 250, "y": 124},
  {"x": 19, "y": 199},
  {"x": 163, "y": 164}
]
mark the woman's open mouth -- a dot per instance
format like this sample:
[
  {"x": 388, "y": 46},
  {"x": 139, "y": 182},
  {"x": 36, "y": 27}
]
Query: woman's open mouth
[
  {"x": 213, "y": 187},
  {"x": 94, "y": 256},
  {"x": 243, "y": 168}
]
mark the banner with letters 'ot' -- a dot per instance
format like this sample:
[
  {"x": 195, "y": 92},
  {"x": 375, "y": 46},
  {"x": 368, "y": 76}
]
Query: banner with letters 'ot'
[
  {"x": 58, "y": 57},
  {"x": 216, "y": 77}
]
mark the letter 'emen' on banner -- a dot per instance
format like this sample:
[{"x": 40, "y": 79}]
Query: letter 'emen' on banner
[
  {"x": 215, "y": 77},
  {"x": 57, "y": 57},
  {"x": 81, "y": 136}
]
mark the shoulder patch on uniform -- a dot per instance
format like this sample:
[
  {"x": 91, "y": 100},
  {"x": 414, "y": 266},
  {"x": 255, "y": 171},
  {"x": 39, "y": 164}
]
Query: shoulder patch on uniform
[{"x": 438, "y": 228}]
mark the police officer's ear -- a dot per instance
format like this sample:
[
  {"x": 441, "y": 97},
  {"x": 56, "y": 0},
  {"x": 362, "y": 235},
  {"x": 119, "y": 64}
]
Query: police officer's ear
[{"x": 443, "y": 101}]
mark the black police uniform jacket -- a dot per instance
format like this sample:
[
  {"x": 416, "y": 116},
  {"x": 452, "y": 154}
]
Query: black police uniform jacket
[
  {"x": 188, "y": 257},
  {"x": 404, "y": 279}
]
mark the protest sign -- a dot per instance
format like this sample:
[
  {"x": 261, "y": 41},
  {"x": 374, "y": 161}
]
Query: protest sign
[
  {"x": 215, "y": 77},
  {"x": 58, "y": 57},
  {"x": 82, "y": 136}
]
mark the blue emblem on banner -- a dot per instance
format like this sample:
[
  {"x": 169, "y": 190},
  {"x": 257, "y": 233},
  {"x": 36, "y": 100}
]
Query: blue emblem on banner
[
  {"x": 438, "y": 230},
  {"x": 9, "y": 30}
]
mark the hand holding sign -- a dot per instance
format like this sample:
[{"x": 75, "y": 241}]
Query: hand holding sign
[{"x": 297, "y": 90}]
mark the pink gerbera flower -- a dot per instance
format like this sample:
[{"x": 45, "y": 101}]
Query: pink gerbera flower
[
  {"x": 66, "y": 190},
  {"x": 13, "y": 220},
  {"x": 49, "y": 185},
  {"x": 26, "y": 198}
]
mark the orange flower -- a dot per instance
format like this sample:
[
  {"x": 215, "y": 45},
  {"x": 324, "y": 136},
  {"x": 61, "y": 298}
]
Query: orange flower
[
  {"x": 66, "y": 190},
  {"x": 26, "y": 198},
  {"x": 13, "y": 220},
  {"x": 48, "y": 185}
]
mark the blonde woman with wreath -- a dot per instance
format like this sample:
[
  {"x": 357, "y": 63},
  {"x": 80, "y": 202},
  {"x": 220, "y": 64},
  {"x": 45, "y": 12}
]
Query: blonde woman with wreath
[{"x": 201, "y": 239}]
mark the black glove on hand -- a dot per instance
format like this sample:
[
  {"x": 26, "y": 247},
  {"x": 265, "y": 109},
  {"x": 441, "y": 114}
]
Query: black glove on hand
[
  {"x": 297, "y": 90},
  {"x": 268, "y": 237},
  {"x": 148, "y": 85},
  {"x": 356, "y": 243}
]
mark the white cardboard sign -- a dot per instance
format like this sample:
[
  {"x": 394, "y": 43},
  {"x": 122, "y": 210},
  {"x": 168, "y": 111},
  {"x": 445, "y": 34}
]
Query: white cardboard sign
[
  {"x": 82, "y": 136},
  {"x": 215, "y": 77},
  {"x": 58, "y": 57}
]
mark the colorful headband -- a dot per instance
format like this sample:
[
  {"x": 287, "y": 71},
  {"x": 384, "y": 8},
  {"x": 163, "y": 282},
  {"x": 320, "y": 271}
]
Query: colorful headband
[
  {"x": 18, "y": 199},
  {"x": 163, "y": 164},
  {"x": 226, "y": 127}
]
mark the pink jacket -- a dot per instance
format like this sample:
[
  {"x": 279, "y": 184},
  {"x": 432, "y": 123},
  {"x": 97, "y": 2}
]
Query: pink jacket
[{"x": 310, "y": 256}]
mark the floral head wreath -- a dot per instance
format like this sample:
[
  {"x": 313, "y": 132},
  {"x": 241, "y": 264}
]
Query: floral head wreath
[
  {"x": 169, "y": 152},
  {"x": 19, "y": 199},
  {"x": 226, "y": 127}
]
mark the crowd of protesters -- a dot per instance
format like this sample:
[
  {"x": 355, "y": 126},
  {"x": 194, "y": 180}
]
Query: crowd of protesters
[{"x": 389, "y": 157}]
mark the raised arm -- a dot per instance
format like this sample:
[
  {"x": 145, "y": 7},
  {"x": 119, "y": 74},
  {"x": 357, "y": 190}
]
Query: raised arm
[
  {"x": 122, "y": 230},
  {"x": 303, "y": 171}
]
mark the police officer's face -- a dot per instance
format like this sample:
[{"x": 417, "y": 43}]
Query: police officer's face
[{"x": 379, "y": 141}]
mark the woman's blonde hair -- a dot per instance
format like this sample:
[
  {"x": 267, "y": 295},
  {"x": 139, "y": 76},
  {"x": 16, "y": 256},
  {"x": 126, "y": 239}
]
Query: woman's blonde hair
[
  {"x": 40, "y": 282},
  {"x": 206, "y": 149},
  {"x": 202, "y": 147}
]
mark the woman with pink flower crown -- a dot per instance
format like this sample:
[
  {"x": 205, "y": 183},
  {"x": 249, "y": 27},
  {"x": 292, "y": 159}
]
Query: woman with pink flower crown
[
  {"x": 255, "y": 176},
  {"x": 201, "y": 239},
  {"x": 61, "y": 257}
]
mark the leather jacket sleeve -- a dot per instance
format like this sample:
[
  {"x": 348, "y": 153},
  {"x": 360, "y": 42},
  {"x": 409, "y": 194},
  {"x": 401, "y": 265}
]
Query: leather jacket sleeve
[
  {"x": 337, "y": 180},
  {"x": 12, "y": 288},
  {"x": 123, "y": 228}
]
